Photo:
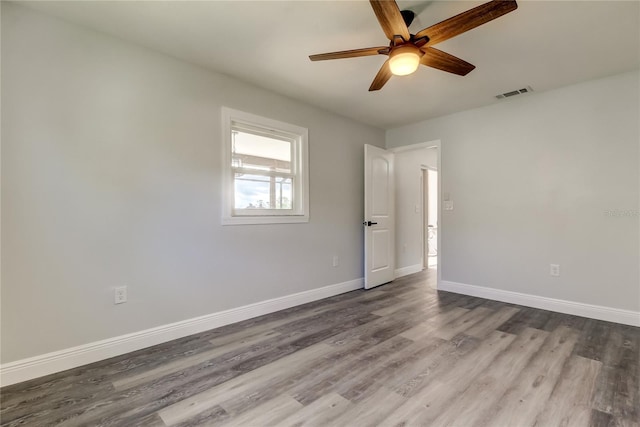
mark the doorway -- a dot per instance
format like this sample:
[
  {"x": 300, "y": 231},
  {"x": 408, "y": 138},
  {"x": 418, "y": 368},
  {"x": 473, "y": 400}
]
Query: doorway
[
  {"x": 429, "y": 217},
  {"x": 411, "y": 176}
]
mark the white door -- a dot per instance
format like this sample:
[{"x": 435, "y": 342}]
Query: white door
[{"x": 379, "y": 224}]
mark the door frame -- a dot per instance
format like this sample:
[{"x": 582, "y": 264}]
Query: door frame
[
  {"x": 436, "y": 143},
  {"x": 424, "y": 191}
]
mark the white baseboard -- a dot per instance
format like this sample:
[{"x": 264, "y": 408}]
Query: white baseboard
[
  {"x": 34, "y": 367},
  {"x": 616, "y": 315},
  {"x": 410, "y": 269}
]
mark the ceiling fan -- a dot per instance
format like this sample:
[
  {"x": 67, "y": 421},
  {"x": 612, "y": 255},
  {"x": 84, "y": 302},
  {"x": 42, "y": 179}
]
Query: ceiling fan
[{"x": 407, "y": 51}]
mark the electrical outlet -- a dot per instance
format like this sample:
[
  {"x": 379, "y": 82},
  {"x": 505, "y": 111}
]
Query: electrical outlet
[
  {"x": 336, "y": 261},
  {"x": 120, "y": 295},
  {"x": 554, "y": 270}
]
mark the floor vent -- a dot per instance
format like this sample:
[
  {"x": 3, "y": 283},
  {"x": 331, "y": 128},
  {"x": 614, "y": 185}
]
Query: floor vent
[{"x": 515, "y": 92}]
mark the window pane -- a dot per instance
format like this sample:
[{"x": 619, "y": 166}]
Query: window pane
[
  {"x": 262, "y": 192},
  {"x": 283, "y": 193},
  {"x": 260, "y": 152}
]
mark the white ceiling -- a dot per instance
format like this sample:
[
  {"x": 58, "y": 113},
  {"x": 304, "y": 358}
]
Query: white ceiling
[{"x": 543, "y": 44}]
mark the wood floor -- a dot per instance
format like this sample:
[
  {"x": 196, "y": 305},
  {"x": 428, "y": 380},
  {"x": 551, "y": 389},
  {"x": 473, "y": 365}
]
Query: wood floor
[{"x": 401, "y": 354}]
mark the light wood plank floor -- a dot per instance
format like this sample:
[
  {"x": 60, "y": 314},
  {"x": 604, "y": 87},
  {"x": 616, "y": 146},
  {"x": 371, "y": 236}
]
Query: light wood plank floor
[{"x": 399, "y": 355}]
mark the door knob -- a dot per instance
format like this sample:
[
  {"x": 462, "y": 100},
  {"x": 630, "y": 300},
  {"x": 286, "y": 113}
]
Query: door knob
[{"x": 369, "y": 223}]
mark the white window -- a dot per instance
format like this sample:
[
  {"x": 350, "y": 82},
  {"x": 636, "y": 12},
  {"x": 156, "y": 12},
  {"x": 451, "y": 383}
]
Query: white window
[{"x": 266, "y": 177}]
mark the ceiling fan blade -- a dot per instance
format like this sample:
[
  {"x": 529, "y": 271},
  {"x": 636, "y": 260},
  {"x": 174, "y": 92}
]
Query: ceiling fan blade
[
  {"x": 382, "y": 77},
  {"x": 466, "y": 21},
  {"x": 443, "y": 61},
  {"x": 349, "y": 53},
  {"x": 390, "y": 19}
]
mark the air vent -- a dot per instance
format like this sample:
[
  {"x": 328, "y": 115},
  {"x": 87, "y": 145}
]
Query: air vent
[{"x": 515, "y": 92}]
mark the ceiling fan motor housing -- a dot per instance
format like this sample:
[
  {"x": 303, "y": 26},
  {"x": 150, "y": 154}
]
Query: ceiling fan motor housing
[{"x": 408, "y": 16}]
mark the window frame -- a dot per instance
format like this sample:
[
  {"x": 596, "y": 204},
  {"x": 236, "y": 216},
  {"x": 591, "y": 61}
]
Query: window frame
[{"x": 298, "y": 137}]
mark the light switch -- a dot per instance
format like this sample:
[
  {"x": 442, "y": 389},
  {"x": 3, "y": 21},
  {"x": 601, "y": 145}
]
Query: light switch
[{"x": 448, "y": 205}]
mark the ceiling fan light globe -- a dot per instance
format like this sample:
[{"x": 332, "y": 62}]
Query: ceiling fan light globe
[{"x": 404, "y": 60}]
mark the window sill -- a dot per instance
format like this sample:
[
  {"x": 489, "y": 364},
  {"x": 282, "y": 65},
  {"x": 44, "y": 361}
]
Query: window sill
[{"x": 252, "y": 220}]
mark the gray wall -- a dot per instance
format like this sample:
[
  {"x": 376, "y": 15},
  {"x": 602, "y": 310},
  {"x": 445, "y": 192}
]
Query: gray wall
[
  {"x": 111, "y": 176},
  {"x": 532, "y": 179}
]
